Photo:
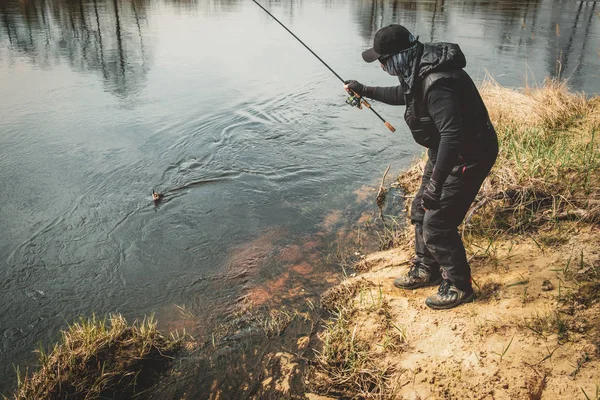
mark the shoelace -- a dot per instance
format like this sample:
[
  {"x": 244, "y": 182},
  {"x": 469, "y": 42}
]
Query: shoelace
[
  {"x": 444, "y": 289},
  {"x": 413, "y": 272}
]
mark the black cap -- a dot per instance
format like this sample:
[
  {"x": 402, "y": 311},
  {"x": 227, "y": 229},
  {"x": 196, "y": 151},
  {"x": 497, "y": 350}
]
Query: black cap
[{"x": 389, "y": 40}]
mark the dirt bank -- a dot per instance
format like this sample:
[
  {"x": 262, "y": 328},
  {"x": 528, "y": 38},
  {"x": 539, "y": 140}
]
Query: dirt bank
[{"x": 534, "y": 330}]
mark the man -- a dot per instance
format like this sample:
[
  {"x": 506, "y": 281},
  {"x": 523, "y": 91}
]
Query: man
[{"x": 444, "y": 113}]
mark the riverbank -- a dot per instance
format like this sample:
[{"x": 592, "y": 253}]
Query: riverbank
[{"x": 533, "y": 240}]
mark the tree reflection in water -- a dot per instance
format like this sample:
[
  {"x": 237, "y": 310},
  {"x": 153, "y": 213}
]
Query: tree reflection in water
[
  {"x": 110, "y": 36},
  {"x": 559, "y": 29}
]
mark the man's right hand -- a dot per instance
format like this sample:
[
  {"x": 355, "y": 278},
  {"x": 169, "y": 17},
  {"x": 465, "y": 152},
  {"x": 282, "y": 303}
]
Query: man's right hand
[
  {"x": 355, "y": 86},
  {"x": 431, "y": 196}
]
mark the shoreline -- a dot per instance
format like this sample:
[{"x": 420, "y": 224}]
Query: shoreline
[{"x": 533, "y": 240}]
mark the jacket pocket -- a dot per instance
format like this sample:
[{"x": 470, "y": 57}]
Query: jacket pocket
[{"x": 425, "y": 133}]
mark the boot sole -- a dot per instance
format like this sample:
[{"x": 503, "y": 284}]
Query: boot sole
[
  {"x": 470, "y": 298},
  {"x": 420, "y": 285}
]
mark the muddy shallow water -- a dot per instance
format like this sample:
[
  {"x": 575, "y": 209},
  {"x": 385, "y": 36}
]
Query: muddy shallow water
[{"x": 246, "y": 134}]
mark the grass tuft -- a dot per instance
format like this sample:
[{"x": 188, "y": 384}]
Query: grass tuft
[
  {"x": 546, "y": 323},
  {"x": 549, "y": 106},
  {"x": 340, "y": 295},
  {"x": 356, "y": 338},
  {"x": 351, "y": 363},
  {"x": 347, "y": 361},
  {"x": 97, "y": 358}
]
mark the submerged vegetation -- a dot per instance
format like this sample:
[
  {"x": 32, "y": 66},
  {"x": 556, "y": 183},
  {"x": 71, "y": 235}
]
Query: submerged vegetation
[{"x": 100, "y": 358}]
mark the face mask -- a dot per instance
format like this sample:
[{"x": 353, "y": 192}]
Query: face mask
[{"x": 402, "y": 64}]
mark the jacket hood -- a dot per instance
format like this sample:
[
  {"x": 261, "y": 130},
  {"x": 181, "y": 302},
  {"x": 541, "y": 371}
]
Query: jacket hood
[{"x": 439, "y": 57}]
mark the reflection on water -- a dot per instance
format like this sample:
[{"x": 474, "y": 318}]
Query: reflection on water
[
  {"x": 106, "y": 37},
  {"x": 110, "y": 37},
  {"x": 213, "y": 104},
  {"x": 550, "y": 38}
]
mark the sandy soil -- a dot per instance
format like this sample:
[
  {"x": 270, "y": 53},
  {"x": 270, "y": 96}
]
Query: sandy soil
[{"x": 522, "y": 339}]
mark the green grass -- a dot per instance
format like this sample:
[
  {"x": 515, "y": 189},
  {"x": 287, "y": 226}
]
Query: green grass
[
  {"x": 541, "y": 177},
  {"x": 547, "y": 323},
  {"x": 504, "y": 350},
  {"x": 595, "y": 396}
]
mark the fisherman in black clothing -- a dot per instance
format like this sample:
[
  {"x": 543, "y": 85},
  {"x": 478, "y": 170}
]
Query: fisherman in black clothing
[{"x": 446, "y": 114}]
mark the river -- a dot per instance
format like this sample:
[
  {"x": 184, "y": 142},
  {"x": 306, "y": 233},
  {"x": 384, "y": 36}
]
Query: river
[{"x": 265, "y": 170}]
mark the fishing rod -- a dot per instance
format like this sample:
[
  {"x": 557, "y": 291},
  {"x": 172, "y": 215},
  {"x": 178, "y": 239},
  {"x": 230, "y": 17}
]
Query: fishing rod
[{"x": 355, "y": 100}]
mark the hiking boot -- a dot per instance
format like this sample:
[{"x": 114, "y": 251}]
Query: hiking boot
[
  {"x": 419, "y": 275},
  {"x": 449, "y": 296}
]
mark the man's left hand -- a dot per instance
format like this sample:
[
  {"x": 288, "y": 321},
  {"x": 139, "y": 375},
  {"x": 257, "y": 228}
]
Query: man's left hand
[
  {"x": 431, "y": 196},
  {"x": 355, "y": 86}
]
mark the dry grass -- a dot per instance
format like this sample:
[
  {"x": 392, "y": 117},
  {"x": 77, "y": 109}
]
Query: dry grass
[
  {"x": 550, "y": 106},
  {"x": 100, "y": 358},
  {"x": 346, "y": 365},
  {"x": 410, "y": 180},
  {"x": 356, "y": 340}
]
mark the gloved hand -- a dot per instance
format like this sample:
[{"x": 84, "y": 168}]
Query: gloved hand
[
  {"x": 432, "y": 196},
  {"x": 355, "y": 86}
]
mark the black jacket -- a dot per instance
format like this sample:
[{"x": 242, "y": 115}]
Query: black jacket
[{"x": 444, "y": 110}]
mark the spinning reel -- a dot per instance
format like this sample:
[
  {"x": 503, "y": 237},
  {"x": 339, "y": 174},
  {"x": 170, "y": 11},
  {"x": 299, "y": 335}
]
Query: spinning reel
[{"x": 354, "y": 100}]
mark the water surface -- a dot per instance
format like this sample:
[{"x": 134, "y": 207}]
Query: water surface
[{"x": 247, "y": 134}]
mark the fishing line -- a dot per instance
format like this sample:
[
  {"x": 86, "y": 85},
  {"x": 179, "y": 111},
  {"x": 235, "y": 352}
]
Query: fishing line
[{"x": 355, "y": 100}]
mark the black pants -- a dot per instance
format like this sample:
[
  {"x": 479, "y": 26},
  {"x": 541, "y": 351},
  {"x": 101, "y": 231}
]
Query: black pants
[{"x": 437, "y": 241}]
